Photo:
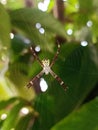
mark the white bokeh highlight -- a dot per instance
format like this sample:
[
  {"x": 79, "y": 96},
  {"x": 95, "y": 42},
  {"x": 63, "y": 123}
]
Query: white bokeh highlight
[
  {"x": 84, "y": 43},
  {"x": 38, "y": 25},
  {"x": 42, "y": 30},
  {"x": 3, "y": 116},
  {"x": 43, "y": 6},
  {"x": 24, "y": 110},
  {"x": 11, "y": 35},
  {"x": 89, "y": 23},
  {"x": 37, "y": 48},
  {"x": 43, "y": 85},
  {"x": 69, "y": 31}
]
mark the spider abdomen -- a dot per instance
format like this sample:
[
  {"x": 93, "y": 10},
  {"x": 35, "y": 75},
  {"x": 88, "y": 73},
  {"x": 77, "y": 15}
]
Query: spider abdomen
[{"x": 46, "y": 69}]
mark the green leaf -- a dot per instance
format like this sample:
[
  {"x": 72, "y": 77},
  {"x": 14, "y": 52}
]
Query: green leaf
[
  {"x": 12, "y": 117},
  {"x": 23, "y": 123},
  {"x": 84, "y": 119},
  {"x": 26, "y": 20},
  {"x": 4, "y": 27},
  {"x": 6, "y": 88},
  {"x": 79, "y": 71},
  {"x": 5, "y": 92},
  {"x": 85, "y": 11},
  {"x": 44, "y": 105},
  {"x": 18, "y": 44},
  {"x": 4, "y": 104},
  {"x": 84, "y": 8},
  {"x": 15, "y": 4}
]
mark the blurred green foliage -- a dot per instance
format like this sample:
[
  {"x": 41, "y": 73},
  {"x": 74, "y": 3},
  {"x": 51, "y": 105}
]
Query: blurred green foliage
[{"x": 31, "y": 109}]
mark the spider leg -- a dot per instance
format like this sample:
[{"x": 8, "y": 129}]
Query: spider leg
[
  {"x": 35, "y": 55},
  {"x": 59, "y": 80},
  {"x": 56, "y": 56},
  {"x": 31, "y": 82}
]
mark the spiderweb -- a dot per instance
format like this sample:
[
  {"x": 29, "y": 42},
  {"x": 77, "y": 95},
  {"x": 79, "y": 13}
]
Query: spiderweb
[{"x": 76, "y": 65}]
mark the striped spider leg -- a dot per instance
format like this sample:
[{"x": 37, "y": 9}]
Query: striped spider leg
[
  {"x": 31, "y": 83},
  {"x": 56, "y": 56},
  {"x": 46, "y": 65},
  {"x": 39, "y": 74},
  {"x": 61, "y": 82}
]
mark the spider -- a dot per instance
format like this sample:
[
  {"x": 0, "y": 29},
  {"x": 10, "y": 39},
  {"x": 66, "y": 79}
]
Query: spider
[{"x": 46, "y": 65}]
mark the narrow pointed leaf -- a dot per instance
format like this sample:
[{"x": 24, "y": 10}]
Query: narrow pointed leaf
[
  {"x": 12, "y": 117},
  {"x": 24, "y": 122}
]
